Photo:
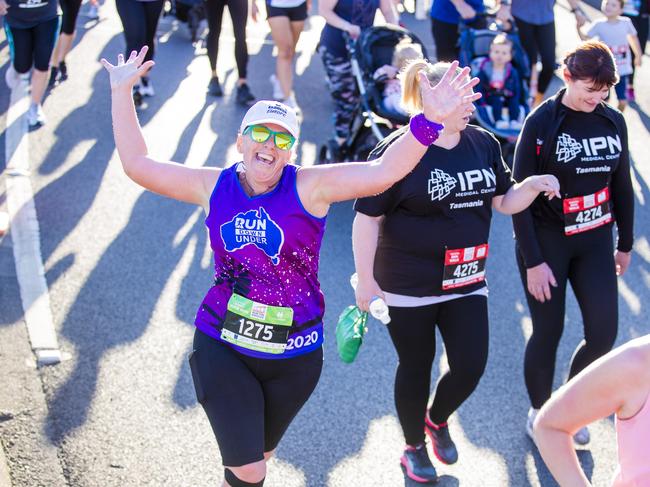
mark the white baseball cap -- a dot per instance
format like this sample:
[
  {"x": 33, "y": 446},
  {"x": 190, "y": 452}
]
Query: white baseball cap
[{"x": 270, "y": 111}]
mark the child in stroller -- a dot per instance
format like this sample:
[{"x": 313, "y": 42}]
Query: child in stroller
[
  {"x": 405, "y": 52},
  {"x": 475, "y": 51},
  {"x": 500, "y": 84},
  {"x": 373, "y": 120}
]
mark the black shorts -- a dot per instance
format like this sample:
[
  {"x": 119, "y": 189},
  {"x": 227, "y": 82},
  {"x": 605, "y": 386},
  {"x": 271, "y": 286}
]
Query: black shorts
[
  {"x": 295, "y": 14},
  {"x": 250, "y": 402}
]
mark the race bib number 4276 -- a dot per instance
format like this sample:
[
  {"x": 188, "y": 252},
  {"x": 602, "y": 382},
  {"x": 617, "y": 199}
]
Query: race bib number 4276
[
  {"x": 464, "y": 266},
  {"x": 584, "y": 213}
]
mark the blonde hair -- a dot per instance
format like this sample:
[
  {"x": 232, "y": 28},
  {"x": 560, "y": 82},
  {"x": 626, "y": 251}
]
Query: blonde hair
[
  {"x": 406, "y": 51},
  {"x": 501, "y": 39},
  {"x": 411, "y": 95}
]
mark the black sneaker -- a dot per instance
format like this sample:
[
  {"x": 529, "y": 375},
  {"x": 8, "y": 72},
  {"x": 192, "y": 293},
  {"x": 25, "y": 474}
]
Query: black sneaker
[
  {"x": 137, "y": 97},
  {"x": 415, "y": 461},
  {"x": 335, "y": 151},
  {"x": 54, "y": 73},
  {"x": 443, "y": 446},
  {"x": 214, "y": 88},
  {"x": 63, "y": 69},
  {"x": 244, "y": 95}
]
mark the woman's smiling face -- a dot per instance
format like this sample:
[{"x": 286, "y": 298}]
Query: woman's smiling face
[
  {"x": 582, "y": 95},
  {"x": 264, "y": 161}
]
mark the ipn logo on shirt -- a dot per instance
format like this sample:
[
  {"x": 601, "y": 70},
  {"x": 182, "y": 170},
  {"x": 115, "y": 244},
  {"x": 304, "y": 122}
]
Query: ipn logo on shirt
[
  {"x": 568, "y": 148},
  {"x": 440, "y": 185}
]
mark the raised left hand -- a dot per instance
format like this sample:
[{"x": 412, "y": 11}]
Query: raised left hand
[
  {"x": 126, "y": 74},
  {"x": 453, "y": 90},
  {"x": 545, "y": 183},
  {"x": 622, "y": 260}
]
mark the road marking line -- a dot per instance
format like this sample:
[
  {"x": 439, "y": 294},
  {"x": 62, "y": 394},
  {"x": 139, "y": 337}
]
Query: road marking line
[{"x": 25, "y": 233}]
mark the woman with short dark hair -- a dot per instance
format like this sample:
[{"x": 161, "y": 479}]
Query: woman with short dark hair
[{"x": 580, "y": 139}]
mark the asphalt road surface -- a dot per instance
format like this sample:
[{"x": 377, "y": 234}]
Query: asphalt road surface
[{"x": 126, "y": 270}]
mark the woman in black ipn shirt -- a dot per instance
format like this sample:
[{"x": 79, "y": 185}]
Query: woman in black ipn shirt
[
  {"x": 422, "y": 246},
  {"x": 583, "y": 141}
]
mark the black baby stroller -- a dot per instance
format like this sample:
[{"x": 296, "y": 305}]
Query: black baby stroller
[
  {"x": 190, "y": 11},
  {"x": 474, "y": 51},
  {"x": 372, "y": 121}
]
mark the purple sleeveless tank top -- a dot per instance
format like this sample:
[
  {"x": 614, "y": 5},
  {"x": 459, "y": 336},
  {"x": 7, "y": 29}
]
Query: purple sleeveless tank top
[{"x": 266, "y": 249}]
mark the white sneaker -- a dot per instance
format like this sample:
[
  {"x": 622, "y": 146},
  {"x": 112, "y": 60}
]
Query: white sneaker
[
  {"x": 277, "y": 89},
  {"x": 35, "y": 116},
  {"x": 146, "y": 88},
  {"x": 12, "y": 78},
  {"x": 530, "y": 421},
  {"x": 582, "y": 436},
  {"x": 502, "y": 124}
]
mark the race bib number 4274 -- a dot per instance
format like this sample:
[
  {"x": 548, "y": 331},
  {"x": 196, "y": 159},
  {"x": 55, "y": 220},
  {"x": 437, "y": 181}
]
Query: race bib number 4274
[
  {"x": 464, "y": 266},
  {"x": 584, "y": 213}
]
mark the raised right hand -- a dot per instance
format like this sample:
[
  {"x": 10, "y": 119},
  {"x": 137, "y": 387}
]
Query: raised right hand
[
  {"x": 365, "y": 291},
  {"x": 540, "y": 279},
  {"x": 126, "y": 74},
  {"x": 354, "y": 31},
  {"x": 451, "y": 92}
]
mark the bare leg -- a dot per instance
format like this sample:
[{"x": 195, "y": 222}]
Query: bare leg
[
  {"x": 285, "y": 36},
  {"x": 251, "y": 472},
  {"x": 62, "y": 48},
  {"x": 39, "y": 82}
]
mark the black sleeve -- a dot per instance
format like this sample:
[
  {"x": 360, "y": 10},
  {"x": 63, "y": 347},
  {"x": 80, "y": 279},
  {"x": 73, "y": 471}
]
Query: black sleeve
[
  {"x": 525, "y": 164},
  {"x": 623, "y": 195},
  {"x": 501, "y": 169},
  {"x": 382, "y": 203}
]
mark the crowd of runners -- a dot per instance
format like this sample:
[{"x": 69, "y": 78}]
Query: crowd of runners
[{"x": 259, "y": 329}]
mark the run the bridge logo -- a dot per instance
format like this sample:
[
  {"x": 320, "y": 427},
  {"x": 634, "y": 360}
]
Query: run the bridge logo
[
  {"x": 254, "y": 227},
  {"x": 440, "y": 185},
  {"x": 594, "y": 148}
]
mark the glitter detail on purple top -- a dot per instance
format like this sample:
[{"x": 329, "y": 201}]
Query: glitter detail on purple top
[{"x": 266, "y": 249}]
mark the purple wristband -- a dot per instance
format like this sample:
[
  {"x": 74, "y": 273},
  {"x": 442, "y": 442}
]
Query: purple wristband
[{"x": 425, "y": 131}]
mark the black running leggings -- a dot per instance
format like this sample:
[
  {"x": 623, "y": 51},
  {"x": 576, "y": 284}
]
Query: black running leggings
[
  {"x": 238, "y": 13},
  {"x": 586, "y": 261},
  {"x": 463, "y": 324},
  {"x": 70, "y": 9},
  {"x": 32, "y": 46},
  {"x": 445, "y": 36},
  {"x": 539, "y": 41},
  {"x": 140, "y": 21},
  {"x": 250, "y": 402}
]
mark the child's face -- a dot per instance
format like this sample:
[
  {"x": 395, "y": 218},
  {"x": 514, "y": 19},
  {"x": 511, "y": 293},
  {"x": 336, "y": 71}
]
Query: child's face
[
  {"x": 611, "y": 8},
  {"x": 500, "y": 54}
]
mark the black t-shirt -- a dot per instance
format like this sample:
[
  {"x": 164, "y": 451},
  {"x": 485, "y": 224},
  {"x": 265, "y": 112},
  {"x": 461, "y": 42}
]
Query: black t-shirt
[
  {"x": 25, "y": 14},
  {"x": 445, "y": 203},
  {"x": 586, "y": 152}
]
